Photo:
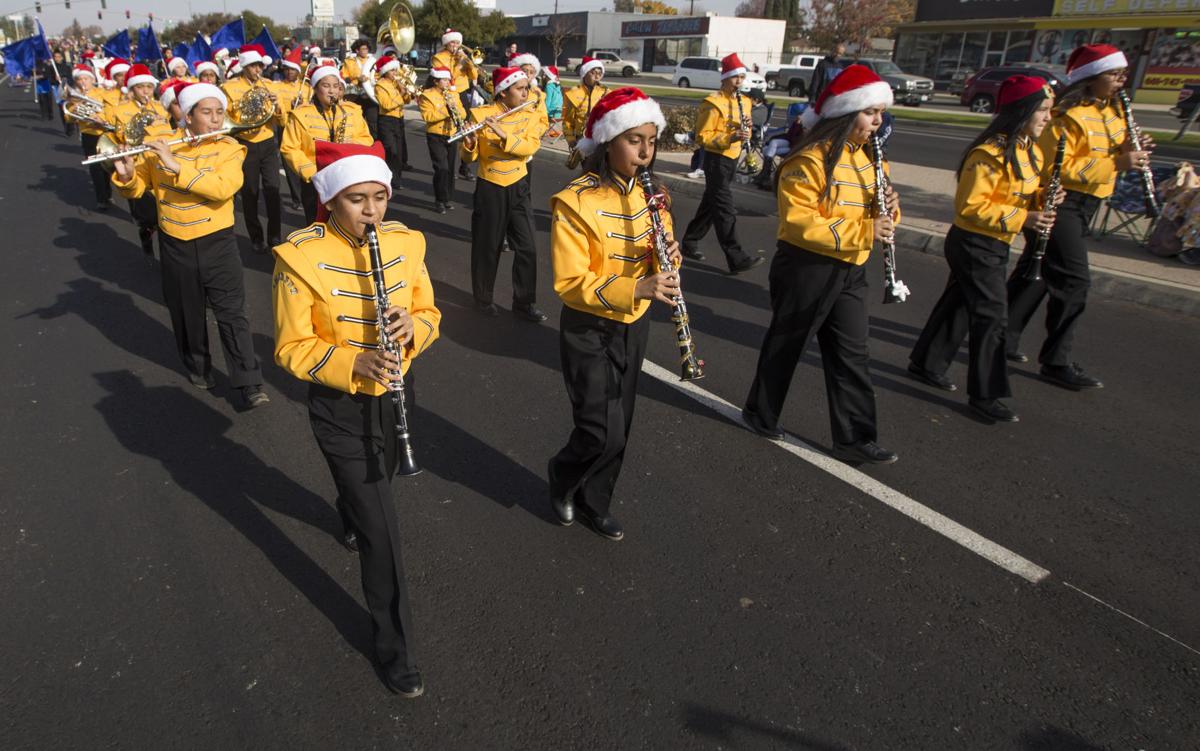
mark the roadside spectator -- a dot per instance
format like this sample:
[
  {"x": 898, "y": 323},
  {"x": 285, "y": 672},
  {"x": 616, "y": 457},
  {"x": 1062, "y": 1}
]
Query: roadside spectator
[{"x": 827, "y": 69}]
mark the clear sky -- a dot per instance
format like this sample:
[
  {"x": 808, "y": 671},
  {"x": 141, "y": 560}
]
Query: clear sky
[{"x": 55, "y": 17}]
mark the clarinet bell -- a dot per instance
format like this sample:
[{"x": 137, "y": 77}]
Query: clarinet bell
[
  {"x": 406, "y": 462},
  {"x": 894, "y": 292},
  {"x": 691, "y": 369}
]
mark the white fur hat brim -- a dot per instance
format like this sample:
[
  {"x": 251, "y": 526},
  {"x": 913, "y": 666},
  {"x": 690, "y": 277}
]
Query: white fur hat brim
[
  {"x": 526, "y": 59},
  {"x": 117, "y": 70},
  {"x": 135, "y": 80},
  {"x": 440, "y": 73},
  {"x": 293, "y": 66},
  {"x": 251, "y": 57},
  {"x": 1114, "y": 61},
  {"x": 177, "y": 62},
  {"x": 621, "y": 119},
  {"x": 510, "y": 80},
  {"x": 351, "y": 170},
  {"x": 325, "y": 71},
  {"x": 733, "y": 72},
  {"x": 389, "y": 66},
  {"x": 81, "y": 73},
  {"x": 201, "y": 67},
  {"x": 452, "y": 36},
  {"x": 189, "y": 96},
  {"x": 874, "y": 94},
  {"x": 589, "y": 66}
]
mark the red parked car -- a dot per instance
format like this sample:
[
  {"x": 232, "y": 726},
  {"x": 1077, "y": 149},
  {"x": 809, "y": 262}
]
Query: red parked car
[{"x": 979, "y": 91}]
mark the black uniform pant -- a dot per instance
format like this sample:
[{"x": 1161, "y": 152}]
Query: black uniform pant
[
  {"x": 260, "y": 173},
  {"x": 1065, "y": 276},
  {"x": 444, "y": 156},
  {"x": 395, "y": 148},
  {"x": 370, "y": 112},
  {"x": 975, "y": 301},
  {"x": 815, "y": 294},
  {"x": 308, "y": 198},
  {"x": 46, "y": 106},
  {"x": 208, "y": 270},
  {"x": 601, "y": 361},
  {"x": 100, "y": 182},
  {"x": 716, "y": 210},
  {"x": 501, "y": 212},
  {"x": 293, "y": 183},
  {"x": 356, "y": 433},
  {"x": 144, "y": 211}
]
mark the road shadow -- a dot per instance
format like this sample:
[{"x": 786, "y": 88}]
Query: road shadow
[
  {"x": 710, "y": 278},
  {"x": 1051, "y": 738},
  {"x": 70, "y": 185},
  {"x": 505, "y": 336},
  {"x": 148, "y": 421},
  {"x": 725, "y": 728}
]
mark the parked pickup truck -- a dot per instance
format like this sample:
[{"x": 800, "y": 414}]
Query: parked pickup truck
[
  {"x": 613, "y": 64},
  {"x": 794, "y": 78}
]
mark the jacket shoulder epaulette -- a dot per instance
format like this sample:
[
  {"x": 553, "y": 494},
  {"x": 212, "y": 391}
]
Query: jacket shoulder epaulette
[
  {"x": 584, "y": 182},
  {"x": 314, "y": 231},
  {"x": 392, "y": 226}
]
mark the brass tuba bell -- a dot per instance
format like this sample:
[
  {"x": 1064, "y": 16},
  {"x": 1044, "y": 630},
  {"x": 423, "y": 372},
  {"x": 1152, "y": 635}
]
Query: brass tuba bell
[{"x": 399, "y": 30}]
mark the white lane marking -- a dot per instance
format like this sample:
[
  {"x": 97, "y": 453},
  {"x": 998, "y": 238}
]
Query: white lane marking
[
  {"x": 943, "y": 525},
  {"x": 1138, "y": 621}
]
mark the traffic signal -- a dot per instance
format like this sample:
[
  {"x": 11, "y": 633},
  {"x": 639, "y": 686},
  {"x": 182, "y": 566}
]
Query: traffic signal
[
  {"x": 126, "y": 14},
  {"x": 38, "y": 6},
  {"x": 104, "y": 4},
  {"x": 67, "y": 4},
  {"x": 99, "y": 15},
  {"x": 151, "y": 16}
]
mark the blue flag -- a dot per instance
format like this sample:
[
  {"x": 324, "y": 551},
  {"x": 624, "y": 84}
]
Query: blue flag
[
  {"x": 265, "y": 41},
  {"x": 118, "y": 45},
  {"x": 20, "y": 57},
  {"x": 183, "y": 52},
  {"x": 199, "y": 52},
  {"x": 147, "y": 45},
  {"x": 42, "y": 47},
  {"x": 230, "y": 36}
]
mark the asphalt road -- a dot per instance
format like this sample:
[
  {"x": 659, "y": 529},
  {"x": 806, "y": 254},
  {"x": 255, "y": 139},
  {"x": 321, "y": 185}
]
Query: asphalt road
[{"x": 172, "y": 578}]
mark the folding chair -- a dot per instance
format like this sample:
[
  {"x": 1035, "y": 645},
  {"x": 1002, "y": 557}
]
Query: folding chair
[{"x": 1126, "y": 207}]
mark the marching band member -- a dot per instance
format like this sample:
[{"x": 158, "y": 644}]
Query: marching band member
[
  {"x": 194, "y": 187},
  {"x": 607, "y": 281},
  {"x": 84, "y": 79},
  {"x": 208, "y": 72},
  {"x": 292, "y": 91},
  {"x": 141, "y": 104},
  {"x": 1097, "y": 149},
  {"x": 818, "y": 280},
  {"x": 532, "y": 67},
  {"x": 453, "y": 58},
  {"x": 719, "y": 129},
  {"x": 260, "y": 169},
  {"x": 328, "y": 338},
  {"x": 578, "y": 101},
  {"x": 167, "y": 98},
  {"x": 326, "y": 118},
  {"x": 998, "y": 179},
  {"x": 392, "y": 96},
  {"x": 443, "y": 112},
  {"x": 357, "y": 70},
  {"x": 177, "y": 67},
  {"x": 502, "y": 207},
  {"x": 114, "y": 72}
]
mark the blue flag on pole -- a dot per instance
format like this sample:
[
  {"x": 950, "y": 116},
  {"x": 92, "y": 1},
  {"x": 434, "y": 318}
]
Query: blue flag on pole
[
  {"x": 230, "y": 36},
  {"x": 20, "y": 57},
  {"x": 118, "y": 45},
  {"x": 199, "y": 52},
  {"x": 42, "y": 48},
  {"x": 183, "y": 52},
  {"x": 147, "y": 44},
  {"x": 267, "y": 43}
]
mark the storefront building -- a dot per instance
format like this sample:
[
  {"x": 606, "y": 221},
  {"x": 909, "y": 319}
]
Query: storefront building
[{"x": 951, "y": 39}]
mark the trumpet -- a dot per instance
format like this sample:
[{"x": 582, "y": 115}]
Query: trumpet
[
  {"x": 474, "y": 54},
  {"x": 479, "y": 126},
  {"x": 299, "y": 98}
]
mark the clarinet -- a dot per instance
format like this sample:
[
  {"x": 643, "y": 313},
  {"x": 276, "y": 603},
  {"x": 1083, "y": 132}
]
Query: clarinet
[
  {"x": 1034, "y": 272},
  {"x": 691, "y": 369},
  {"x": 1132, "y": 132},
  {"x": 894, "y": 290},
  {"x": 745, "y": 121},
  {"x": 406, "y": 462}
]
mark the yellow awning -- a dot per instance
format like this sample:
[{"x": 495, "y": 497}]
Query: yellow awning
[{"x": 1124, "y": 21}]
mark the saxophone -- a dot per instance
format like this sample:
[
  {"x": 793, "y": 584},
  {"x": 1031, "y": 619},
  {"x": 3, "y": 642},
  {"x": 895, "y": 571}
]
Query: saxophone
[{"x": 455, "y": 119}]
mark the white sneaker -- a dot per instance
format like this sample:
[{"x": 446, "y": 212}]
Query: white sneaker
[{"x": 696, "y": 174}]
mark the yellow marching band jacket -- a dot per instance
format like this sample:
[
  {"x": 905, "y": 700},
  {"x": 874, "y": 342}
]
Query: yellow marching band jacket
[
  {"x": 1095, "y": 135},
  {"x": 991, "y": 200},
  {"x": 435, "y": 105},
  {"x": 324, "y": 298},
  {"x": 600, "y": 240},
  {"x": 392, "y": 98},
  {"x": 308, "y": 124},
  {"x": 503, "y": 162},
  {"x": 716, "y": 122},
  {"x": 462, "y": 70},
  {"x": 577, "y": 105}
]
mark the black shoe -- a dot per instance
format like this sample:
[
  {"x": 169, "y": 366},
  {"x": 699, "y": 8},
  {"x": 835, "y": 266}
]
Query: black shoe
[
  {"x": 695, "y": 255},
  {"x": 104, "y": 205},
  {"x": 205, "y": 382},
  {"x": 529, "y": 312},
  {"x": 752, "y": 421},
  {"x": 254, "y": 396},
  {"x": 466, "y": 176},
  {"x": 400, "y": 680},
  {"x": 863, "y": 451},
  {"x": 350, "y": 540},
  {"x": 488, "y": 309},
  {"x": 274, "y": 241},
  {"x": 1016, "y": 357},
  {"x": 449, "y": 206},
  {"x": 146, "y": 235},
  {"x": 506, "y": 248},
  {"x": 746, "y": 264},
  {"x": 1071, "y": 377},
  {"x": 993, "y": 409},
  {"x": 605, "y": 526},
  {"x": 564, "y": 510},
  {"x": 259, "y": 247},
  {"x": 441, "y": 208},
  {"x": 406, "y": 167},
  {"x": 937, "y": 380}
]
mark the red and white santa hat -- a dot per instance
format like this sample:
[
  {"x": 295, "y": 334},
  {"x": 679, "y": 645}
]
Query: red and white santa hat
[
  {"x": 731, "y": 65},
  {"x": 170, "y": 91},
  {"x": 139, "y": 74},
  {"x": 502, "y": 78},
  {"x": 292, "y": 60},
  {"x": 589, "y": 64},
  {"x": 81, "y": 70},
  {"x": 516, "y": 61},
  {"x": 314, "y": 51},
  {"x": 1017, "y": 88},
  {"x": 386, "y": 64},
  {"x": 248, "y": 54},
  {"x": 116, "y": 67},
  {"x": 324, "y": 69},
  {"x": 340, "y": 165},
  {"x": 189, "y": 95},
  {"x": 208, "y": 65},
  {"x": 1092, "y": 60},
  {"x": 551, "y": 72},
  {"x": 220, "y": 53},
  {"x": 451, "y": 36},
  {"x": 177, "y": 62},
  {"x": 440, "y": 72},
  {"x": 853, "y": 90},
  {"x": 616, "y": 112},
  {"x": 233, "y": 69},
  {"x": 87, "y": 55}
]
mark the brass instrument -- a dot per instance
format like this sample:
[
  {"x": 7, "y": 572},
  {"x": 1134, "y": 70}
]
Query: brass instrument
[
  {"x": 83, "y": 108},
  {"x": 691, "y": 368},
  {"x": 894, "y": 290},
  {"x": 255, "y": 104},
  {"x": 1133, "y": 133},
  {"x": 1034, "y": 272},
  {"x": 400, "y": 32},
  {"x": 480, "y": 126},
  {"x": 299, "y": 98},
  {"x": 455, "y": 119},
  {"x": 406, "y": 463},
  {"x": 751, "y": 159},
  {"x": 474, "y": 54},
  {"x": 339, "y": 133}
]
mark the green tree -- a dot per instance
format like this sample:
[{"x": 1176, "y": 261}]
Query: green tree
[
  {"x": 494, "y": 27},
  {"x": 624, "y": 6},
  {"x": 207, "y": 23}
]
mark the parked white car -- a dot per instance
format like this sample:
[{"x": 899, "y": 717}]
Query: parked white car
[{"x": 705, "y": 73}]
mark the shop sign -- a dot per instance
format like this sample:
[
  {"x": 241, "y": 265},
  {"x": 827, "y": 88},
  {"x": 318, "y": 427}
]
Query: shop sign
[
  {"x": 1174, "y": 61},
  {"x": 1119, "y": 7},
  {"x": 693, "y": 26},
  {"x": 957, "y": 10}
]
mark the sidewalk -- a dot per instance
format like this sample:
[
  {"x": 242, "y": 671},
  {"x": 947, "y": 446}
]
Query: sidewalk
[{"x": 1120, "y": 269}]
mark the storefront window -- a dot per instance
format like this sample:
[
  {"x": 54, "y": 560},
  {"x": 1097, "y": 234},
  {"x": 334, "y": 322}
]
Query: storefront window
[
  {"x": 1020, "y": 47},
  {"x": 972, "y": 55},
  {"x": 947, "y": 59},
  {"x": 915, "y": 53},
  {"x": 668, "y": 52},
  {"x": 995, "y": 48}
]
